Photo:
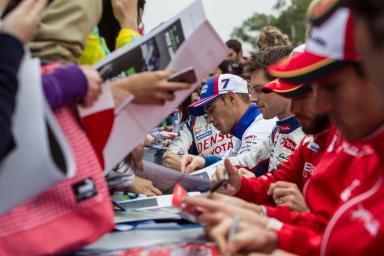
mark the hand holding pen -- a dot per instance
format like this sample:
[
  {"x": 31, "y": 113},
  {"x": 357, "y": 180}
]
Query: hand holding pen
[
  {"x": 217, "y": 185},
  {"x": 234, "y": 236},
  {"x": 231, "y": 174}
]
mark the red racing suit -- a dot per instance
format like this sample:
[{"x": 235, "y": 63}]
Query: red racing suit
[
  {"x": 344, "y": 196},
  {"x": 361, "y": 219},
  {"x": 297, "y": 169}
]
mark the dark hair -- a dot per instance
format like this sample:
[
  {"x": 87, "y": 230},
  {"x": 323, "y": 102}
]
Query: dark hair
[
  {"x": 109, "y": 26},
  {"x": 140, "y": 5},
  {"x": 234, "y": 45},
  {"x": 268, "y": 57},
  {"x": 372, "y": 11},
  {"x": 224, "y": 67},
  {"x": 243, "y": 96},
  {"x": 183, "y": 106}
]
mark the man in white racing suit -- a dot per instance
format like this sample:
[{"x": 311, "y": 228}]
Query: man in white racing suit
[
  {"x": 226, "y": 103},
  {"x": 287, "y": 133}
]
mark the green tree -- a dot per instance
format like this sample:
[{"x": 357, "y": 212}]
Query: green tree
[{"x": 290, "y": 19}]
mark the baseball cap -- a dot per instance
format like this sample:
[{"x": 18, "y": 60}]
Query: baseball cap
[
  {"x": 288, "y": 89},
  {"x": 328, "y": 48},
  {"x": 216, "y": 86},
  {"x": 285, "y": 89},
  {"x": 298, "y": 50}
]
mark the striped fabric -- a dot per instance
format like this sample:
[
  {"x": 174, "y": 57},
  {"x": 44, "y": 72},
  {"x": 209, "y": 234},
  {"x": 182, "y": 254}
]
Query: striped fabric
[{"x": 55, "y": 222}]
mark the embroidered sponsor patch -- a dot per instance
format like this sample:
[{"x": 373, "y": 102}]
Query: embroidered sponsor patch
[
  {"x": 205, "y": 134},
  {"x": 308, "y": 169},
  {"x": 250, "y": 137},
  {"x": 314, "y": 147},
  {"x": 285, "y": 128},
  {"x": 289, "y": 144}
]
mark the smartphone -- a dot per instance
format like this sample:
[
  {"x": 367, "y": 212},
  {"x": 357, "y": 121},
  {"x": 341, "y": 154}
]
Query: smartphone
[{"x": 186, "y": 75}]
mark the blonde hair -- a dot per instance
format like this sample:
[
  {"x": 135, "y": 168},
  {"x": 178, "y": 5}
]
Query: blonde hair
[{"x": 271, "y": 36}]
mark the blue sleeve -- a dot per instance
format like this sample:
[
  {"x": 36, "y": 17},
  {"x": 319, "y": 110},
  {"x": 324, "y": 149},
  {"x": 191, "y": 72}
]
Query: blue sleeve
[
  {"x": 11, "y": 54},
  {"x": 211, "y": 160}
]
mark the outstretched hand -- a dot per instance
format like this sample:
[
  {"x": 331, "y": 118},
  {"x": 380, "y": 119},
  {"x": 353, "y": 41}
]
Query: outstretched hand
[
  {"x": 234, "y": 178},
  {"x": 23, "y": 20},
  {"x": 150, "y": 87}
]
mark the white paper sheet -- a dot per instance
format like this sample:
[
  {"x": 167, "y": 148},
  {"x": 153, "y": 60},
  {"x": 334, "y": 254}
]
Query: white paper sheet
[
  {"x": 30, "y": 168},
  {"x": 208, "y": 171}
]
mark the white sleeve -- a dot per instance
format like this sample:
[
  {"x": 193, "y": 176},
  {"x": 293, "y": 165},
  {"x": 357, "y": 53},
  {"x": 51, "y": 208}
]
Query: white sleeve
[
  {"x": 121, "y": 176},
  {"x": 250, "y": 159},
  {"x": 255, "y": 134},
  {"x": 182, "y": 142}
]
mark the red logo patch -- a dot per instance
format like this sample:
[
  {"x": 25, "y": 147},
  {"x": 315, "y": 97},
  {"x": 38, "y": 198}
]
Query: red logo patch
[{"x": 290, "y": 144}]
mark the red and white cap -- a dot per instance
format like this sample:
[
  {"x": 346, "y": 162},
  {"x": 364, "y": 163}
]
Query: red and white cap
[
  {"x": 285, "y": 89},
  {"x": 216, "y": 86},
  {"x": 329, "y": 47}
]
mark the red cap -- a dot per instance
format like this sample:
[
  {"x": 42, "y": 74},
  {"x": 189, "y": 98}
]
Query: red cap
[
  {"x": 286, "y": 89},
  {"x": 329, "y": 47}
]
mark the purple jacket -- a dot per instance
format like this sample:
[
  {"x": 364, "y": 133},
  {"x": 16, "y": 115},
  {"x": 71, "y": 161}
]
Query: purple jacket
[{"x": 64, "y": 86}]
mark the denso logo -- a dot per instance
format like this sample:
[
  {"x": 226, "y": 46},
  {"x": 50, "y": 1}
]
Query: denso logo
[
  {"x": 212, "y": 141},
  {"x": 221, "y": 149}
]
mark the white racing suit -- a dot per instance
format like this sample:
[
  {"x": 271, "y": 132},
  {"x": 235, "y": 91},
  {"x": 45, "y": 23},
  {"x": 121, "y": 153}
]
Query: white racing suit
[
  {"x": 283, "y": 140},
  {"x": 248, "y": 135},
  {"x": 197, "y": 137}
]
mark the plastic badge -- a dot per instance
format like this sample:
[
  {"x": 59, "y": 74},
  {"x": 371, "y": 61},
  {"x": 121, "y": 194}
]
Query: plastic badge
[
  {"x": 188, "y": 212},
  {"x": 171, "y": 135},
  {"x": 178, "y": 194}
]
